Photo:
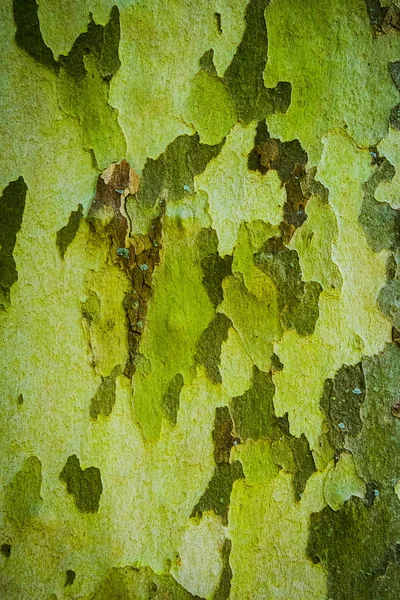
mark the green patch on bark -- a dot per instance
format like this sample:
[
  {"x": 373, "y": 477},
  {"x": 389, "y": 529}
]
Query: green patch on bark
[
  {"x": 389, "y": 302},
  {"x": 224, "y": 587},
  {"x": 298, "y": 301},
  {"x": 208, "y": 347},
  {"x": 67, "y": 234},
  {"x": 103, "y": 401},
  {"x": 28, "y": 35},
  {"x": 210, "y": 106},
  {"x": 217, "y": 496},
  {"x": 170, "y": 176},
  {"x": 341, "y": 402},
  {"x": 253, "y": 412},
  {"x": 12, "y": 205},
  {"x": 22, "y": 496},
  {"x": 100, "y": 41},
  {"x": 83, "y": 484},
  {"x": 244, "y": 76},
  {"x": 170, "y": 402},
  {"x": 380, "y": 221},
  {"x": 222, "y": 435},
  {"x": 130, "y": 583},
  {"x": 357, "y": 545},
  {"x": 214, "y": 267},
  {"x": 376, "y": 448},
  {"x": 255, "y": 419},
  {"x": 269, "y": 153}
]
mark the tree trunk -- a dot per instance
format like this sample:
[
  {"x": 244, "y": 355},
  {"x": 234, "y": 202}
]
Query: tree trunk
[{"x": 200, "y": 300}]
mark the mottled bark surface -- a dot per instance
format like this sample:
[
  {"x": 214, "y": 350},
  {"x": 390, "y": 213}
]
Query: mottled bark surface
[{"x": 200, "y": 300}]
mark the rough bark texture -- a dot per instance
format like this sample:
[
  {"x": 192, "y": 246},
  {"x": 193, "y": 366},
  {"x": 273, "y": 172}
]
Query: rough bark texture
[{"x": 200, "y": 300}]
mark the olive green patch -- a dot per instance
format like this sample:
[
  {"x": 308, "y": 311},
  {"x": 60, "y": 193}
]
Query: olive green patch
[
  {"x": 210, "y": 106},
  {"x": 244, "y": 76},
  {"x": 289, "y": 160},
  {"x": 298, "y": 301},
  {"x": 341, "y": 403},
  {"x": 224, "y": 587},
  {"x": 218, "y": 492},
  {"x": 380, "y": 221},
  {"x": 389, "y": 302},
  {"x": 102, "y": 42},
  {"x": 376, "y": 448},
  {"x": 222, "y": 435},
  {"x": 103, "y": 401},
  {"x": 208, "y": 347},
  {"x": 171, "y": 174},
  {"x": 253, "y": 412},
  {"x": 214, "y": 267},
  {"x": 130, "y": 583},
  {"x": 67, "y": 234},
  {"x": 269, "y": 153},
  {"x": 255, "y": 419},
  {"x": 217, "y": 496},
  {"x": 69, "y": 577},
  {"x": 357, "y": 545},
  {"x": 28, "y": 35},
  {"x": 84, "y": 484},
  {"x": 22, "y": 496},
  {"x": 170, "y": 401},
  {"x": 12, "y": 205},
  {"x": 394, "y": 70},
  {"x": 5, "y": 550}
]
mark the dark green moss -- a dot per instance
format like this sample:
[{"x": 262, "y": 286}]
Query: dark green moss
[
  {"x": 224, "y": 587},
  {"x": 22, "y": 496},
  {"x": 217, "y": 496},
  {"x": 244, "y": 76},
  {"x": 103, "y": 401},
  {"x": 171, "y": 174},
  {"x": 380, "y": 221},
  {"x": 5, "y": 550},
  {"x": 208, "y": 347},
  {"x": 298, "y": 301},
  {"x": 28, "y": 35},
  {"x": 129, "y": 583},
  {"x": 12, "y": 206},
  {"x": 67, "y": 234},
  {"x": 84, "y": 485},
  {"x": 171, "y": 397}
]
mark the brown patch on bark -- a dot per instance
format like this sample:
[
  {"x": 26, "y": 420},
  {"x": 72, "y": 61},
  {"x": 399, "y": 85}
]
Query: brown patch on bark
[{"x": 137, "y": 255}]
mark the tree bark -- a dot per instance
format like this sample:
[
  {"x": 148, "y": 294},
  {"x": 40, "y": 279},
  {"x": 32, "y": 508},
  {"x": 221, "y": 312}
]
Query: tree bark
[{"x": 199, "y": 294}]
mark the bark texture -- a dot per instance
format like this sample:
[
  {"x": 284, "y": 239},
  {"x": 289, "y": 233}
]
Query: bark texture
[{"x": 200, "y": 300}]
